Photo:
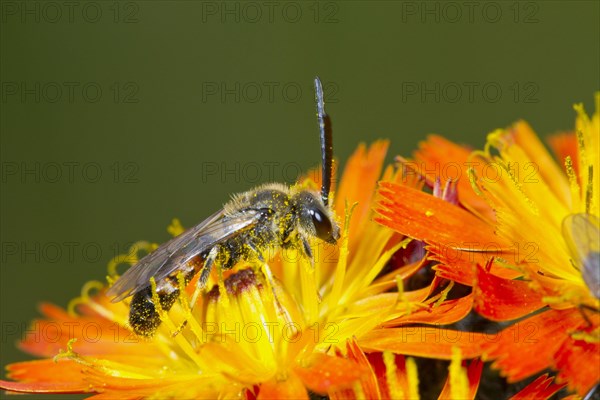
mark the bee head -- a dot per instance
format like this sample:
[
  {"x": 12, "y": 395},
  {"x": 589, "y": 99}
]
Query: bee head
[{"x": 315, "y": 218}]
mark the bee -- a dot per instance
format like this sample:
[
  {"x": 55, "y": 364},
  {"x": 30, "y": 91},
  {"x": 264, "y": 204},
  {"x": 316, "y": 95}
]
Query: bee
[
  {"x": 270, "y": 217},
  {"x": 582, "y": 233}
]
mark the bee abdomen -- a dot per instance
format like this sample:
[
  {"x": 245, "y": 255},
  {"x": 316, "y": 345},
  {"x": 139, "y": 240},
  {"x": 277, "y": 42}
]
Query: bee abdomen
[{"x": 143, "y": 317}]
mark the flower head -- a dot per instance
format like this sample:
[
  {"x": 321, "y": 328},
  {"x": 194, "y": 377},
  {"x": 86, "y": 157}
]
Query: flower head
[
  {"x": 511, "y": 237},
  {"x": 304, "y": 331}
]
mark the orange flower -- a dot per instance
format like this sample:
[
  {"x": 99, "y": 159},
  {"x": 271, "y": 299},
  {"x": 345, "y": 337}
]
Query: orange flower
[
  {"x": 509, "y": 237},
  {"x": 243, "y": 343}
]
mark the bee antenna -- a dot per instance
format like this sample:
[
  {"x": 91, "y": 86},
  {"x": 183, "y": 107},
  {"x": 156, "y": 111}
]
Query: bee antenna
[{"x": 326, "y": 135}]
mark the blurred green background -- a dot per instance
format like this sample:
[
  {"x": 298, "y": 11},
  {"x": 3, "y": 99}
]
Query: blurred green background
[{"x": 118, "y": 116}]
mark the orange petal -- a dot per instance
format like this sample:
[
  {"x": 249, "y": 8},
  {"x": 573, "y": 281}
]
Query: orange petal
[
  {"x": 528, "y": 346},
  {"x": 460, "y": 266},
  {"x": 565, "y": 145},
  {"x": 291, "y": 388},
  {"x": 46, "y": 376},
  {"x": 421, "y": 216},
  {"x": 45, "y": 370},
  {"x": 359, "y": 182},
  {"x": 439, "y": 157},
  {"x": 171, "y": 386},
  {"x": 401, "y": 386},
  {"x": 94, "y": 336},
  {"x": 368, "y": 380},
  {"x": 541, "y": 388},
  {"x": 446, "y": 313},
  {"x": 70, "y": 376},
  {"x": 164, "y": 389},
  {"x": 578, "y": 363},
  {"x": 327, "y": 373},
  {"x": 44, "y": 387},
  {"x": 110, "y": 395},
  {"x": 424, "y": 341},
  {"x": 473, "y": 374},
  {"x": 503, "y": 299},
  {"x": 52, "y": 311},
  {"x": 550, "y": 171}
]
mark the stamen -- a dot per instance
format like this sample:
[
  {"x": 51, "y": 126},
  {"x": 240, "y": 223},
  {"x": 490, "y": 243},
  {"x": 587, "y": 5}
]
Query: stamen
[
  {"x": 179, "y": 339},
  {"x": 382, "y": 261},
  {"x": 413, "y": 378},
  {"x": 581, "y": 152},
  {"x": 68, "y": 354},
  {"x": 472, "y": 175},
  {"x": 308, "y": 184},
  {"x": 589, "y": 189},
  {"x": 85, "y": 296},
  {"x": 187, "y": 310},
  {"x": 222, "y": 289},
  {"x": 443, "y": 294},
  {"x": 110, "y": 368},
  {"x": 175, "y": 228},
  {"x": 588, "y": 337},
  {"x": 459, "y": 383},
  {"x": 342, "y": 264},
  {"x": 391, "y": 376},
  {"x": 131, "y": 258},
  {"x": 573, "y": 184},
  {"x": 309, "y": 292},
  {"x": 408, "y": 306},
  {"x": 359, "y": 393}
]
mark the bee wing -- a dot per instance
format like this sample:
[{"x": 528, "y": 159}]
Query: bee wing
[
  {"x": 582, "y": 232},
  {"x": 175, "y": 253}
]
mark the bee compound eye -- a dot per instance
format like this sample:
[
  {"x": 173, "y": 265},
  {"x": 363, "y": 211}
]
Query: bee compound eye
[{"x": 321, "y": 223}]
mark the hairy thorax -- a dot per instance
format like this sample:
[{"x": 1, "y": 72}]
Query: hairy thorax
[{"x": 275, "y": 230}]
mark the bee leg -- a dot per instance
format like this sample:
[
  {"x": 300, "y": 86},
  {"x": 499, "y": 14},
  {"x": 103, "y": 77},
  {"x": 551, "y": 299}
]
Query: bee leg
[
  {"x": 593, "y": 391},
  {"x": 200, "y": 285},
  {"x": 266, "y": 271},
  {"x": 582, "y": 310},
  {"x": 307, "y": 251}
]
